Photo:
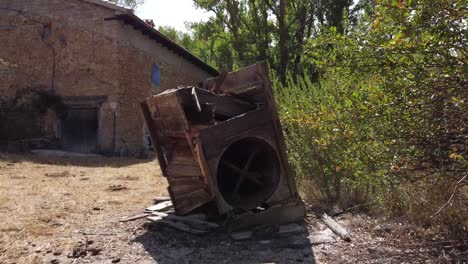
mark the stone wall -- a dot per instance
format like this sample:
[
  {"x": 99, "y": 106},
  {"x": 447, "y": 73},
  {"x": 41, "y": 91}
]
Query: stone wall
[{"x": 66, "y": 46}]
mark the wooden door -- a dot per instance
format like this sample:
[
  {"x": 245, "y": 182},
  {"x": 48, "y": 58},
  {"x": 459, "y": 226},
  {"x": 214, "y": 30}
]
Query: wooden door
[{"x": 80, "y": 130}]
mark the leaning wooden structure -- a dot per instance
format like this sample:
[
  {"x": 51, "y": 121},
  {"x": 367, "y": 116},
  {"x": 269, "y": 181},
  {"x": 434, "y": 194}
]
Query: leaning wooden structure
[{"x": 222, "y": 143}]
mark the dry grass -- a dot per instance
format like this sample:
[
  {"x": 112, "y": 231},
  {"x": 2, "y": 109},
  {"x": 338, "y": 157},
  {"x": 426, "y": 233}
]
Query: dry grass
[{"x": 45, "y": 202}]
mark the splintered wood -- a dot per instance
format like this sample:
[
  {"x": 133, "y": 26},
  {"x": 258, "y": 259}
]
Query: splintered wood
[
  {"x": 222, "y": 143},
  {"x": 159, "y": 213}
]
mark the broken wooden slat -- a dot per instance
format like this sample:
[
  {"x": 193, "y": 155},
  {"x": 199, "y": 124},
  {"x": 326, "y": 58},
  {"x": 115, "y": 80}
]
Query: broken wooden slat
[
  {"x": 280, "y": 214},
  {"x": 183, "y": 189},
  {"x": 159, "y": 199},
  {"x": 225, "y": 105},
  {"x": 187, "y": 202},
  {"x": 336, "y": 228},
  {"x": 175, "y": 170},
  {"x": 159, "y": 206},
  {"x": 133, "y": 218},
  {"x": 188, "y": 220},
  {"x": 177, "y": 225},
  {"x": 152, "y": 128}
]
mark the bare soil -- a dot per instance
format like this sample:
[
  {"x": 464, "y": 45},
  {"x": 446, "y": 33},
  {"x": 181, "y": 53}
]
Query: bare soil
[{"x": 67, "y": 210}]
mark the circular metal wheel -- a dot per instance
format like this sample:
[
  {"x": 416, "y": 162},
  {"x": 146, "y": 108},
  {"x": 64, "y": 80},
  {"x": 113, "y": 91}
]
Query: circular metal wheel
[{"x": 248, "y": 173}]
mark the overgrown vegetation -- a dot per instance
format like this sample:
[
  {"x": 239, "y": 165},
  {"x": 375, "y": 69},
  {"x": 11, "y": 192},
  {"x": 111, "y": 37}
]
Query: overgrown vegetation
[
  {"x": 372, "y": 95},
  {"x": 20, "y": 116},
  {"x": 386, "y": 123}
]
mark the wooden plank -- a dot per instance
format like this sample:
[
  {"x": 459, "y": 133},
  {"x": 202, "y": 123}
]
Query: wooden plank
[
  {"x": 275, "y": 215},
  {"x": 152, "y": 128},
  {"x": 176, "y": 225},
  {"x": 225, "y": 105},
  {"x": 204, "y": 169},
  {"x": 183, "y": 204},
  {"x": 336, "y": 228},
  {"x": 171, "y": 114},
  {"x": 217, "y": 134},
  {"x": 133, "y": 218},
  {"x": 175, "y": 170},
  {"x": 185, "y": 180},
  {"x": 187, "y": 220},
  {"x": 159, "y": 206},
  {"x": 181, "y": 190},
  {"x": 238, "y": 81},
  {"x": 159, "y": 199}
]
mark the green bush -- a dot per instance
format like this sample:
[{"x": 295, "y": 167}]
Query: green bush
[{"x": 387, "y": 121}]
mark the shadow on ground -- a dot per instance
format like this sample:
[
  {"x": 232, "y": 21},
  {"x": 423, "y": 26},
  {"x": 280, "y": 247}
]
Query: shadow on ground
[
  {"x": 168, "y": 246},
  {"x": 83, "y": 161}
]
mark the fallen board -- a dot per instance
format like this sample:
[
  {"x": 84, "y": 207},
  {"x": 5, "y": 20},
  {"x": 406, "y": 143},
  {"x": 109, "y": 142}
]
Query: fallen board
[
  {"x": 133, "y": 218},
  {"x": 187, "y": 220},
  {"x": 159, "y": 206},
  {"x": 336, "y": 228}
]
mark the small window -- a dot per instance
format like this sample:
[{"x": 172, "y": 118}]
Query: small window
[{"x": 156, "y": 75}]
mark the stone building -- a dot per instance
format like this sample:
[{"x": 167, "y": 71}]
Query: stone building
[{"x": 100, "y": 59}]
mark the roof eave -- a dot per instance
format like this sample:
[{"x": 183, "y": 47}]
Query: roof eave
[{"x": 138, "y": 24}]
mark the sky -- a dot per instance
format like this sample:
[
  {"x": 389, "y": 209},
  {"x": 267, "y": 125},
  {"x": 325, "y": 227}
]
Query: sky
[{"x": 171, "y": 13}]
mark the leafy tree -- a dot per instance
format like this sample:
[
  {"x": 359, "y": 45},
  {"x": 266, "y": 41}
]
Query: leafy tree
[{"x": 128, "y": 3}]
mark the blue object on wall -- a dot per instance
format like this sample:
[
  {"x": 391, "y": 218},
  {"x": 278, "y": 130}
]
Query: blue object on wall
[{"x": 156, "y": 75}]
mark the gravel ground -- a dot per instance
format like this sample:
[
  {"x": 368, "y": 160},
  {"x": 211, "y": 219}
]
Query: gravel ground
[{"x": 67, "y": 210}]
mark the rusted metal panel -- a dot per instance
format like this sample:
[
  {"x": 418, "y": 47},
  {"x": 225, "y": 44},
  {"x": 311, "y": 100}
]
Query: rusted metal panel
[{"x": 223, "y": 142}]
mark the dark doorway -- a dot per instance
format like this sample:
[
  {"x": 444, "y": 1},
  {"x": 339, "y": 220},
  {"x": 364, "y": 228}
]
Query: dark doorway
[{"x": 80, "y": 130}]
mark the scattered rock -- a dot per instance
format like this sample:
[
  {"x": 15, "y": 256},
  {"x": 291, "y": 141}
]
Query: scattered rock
[
  {"x": 84, "y": 179},
  {"x": 55, "y": 261},
  {"x": 57, "y": 252},
  {"x": 242, "y": 235},
  {"x": 114, "y": 188},
  {"x": 97, "y": 209},
  {"x": 382, "y": 229},
  {"x": 38, "y": 250},
  {"x": 116, "y": 260},
  {"x": 94, "y": 251},
  {"x": 78, "y": 251}
]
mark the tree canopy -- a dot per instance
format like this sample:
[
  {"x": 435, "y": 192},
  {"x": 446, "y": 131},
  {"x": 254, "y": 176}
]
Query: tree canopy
[{"x": 128, "y": 3}]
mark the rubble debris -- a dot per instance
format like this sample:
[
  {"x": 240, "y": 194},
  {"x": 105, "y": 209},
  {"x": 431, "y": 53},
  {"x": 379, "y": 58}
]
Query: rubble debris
[
  {"x": 159, "y": 206},
  {"x": 222, "y": 142},
  {"x": 187, "y": 220},
  {"x": 336, "y": 228}
]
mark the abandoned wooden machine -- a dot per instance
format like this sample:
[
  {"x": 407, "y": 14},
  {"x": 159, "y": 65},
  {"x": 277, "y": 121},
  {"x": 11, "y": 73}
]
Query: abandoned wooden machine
[{"x": 222, "y": 143}]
